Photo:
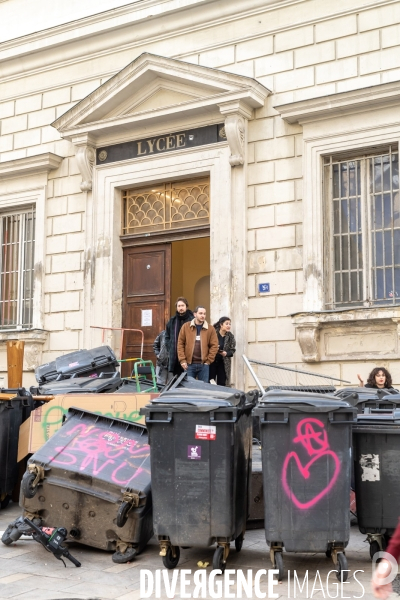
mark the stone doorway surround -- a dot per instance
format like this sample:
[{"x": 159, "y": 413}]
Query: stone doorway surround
[{"x": 153, "y": 96}]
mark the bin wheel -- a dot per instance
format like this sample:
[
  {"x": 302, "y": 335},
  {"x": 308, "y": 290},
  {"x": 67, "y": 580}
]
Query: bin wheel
[
  {"x": 169, "y": 561},
  {"x": 26, "y": 485},
  {"x": 239, "y": 542},
  {"x": 342, "y": 566},
  {"x": 279, "y": 564},
  {"x": 122, "y": 514},
  {"x": 374, "y": 547},
  {"x": 5, "y": 502},
  {"x": 6, "y": 537},
  {"x": 218, "y": 559},
  {"x": 123, "y": 557}
]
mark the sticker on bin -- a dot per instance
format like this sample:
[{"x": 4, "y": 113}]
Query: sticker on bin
[
  {"x": 194, "y": 452},
  {"x": 206, "y": 432}
]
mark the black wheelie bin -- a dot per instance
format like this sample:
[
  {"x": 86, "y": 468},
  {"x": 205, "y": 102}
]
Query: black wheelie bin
[
  {"x": 105, "y": 383},
  {"x": 365, "y": 398},
  {"x": 93, "y": 478},
  {"x": 200, "y": 449},
  {"x": 81, "y": 363},
  {"x": 13, "y": 412},
  {"x": 306, "y": 462},
  {"x": 376, "y": 451}
]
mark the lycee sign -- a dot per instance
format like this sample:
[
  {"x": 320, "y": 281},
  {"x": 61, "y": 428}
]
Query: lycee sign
[{"x": 161, "y": 143}]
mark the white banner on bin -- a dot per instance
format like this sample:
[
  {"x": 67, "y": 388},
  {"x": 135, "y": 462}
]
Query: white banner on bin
[{"x": 206, "y": 432}]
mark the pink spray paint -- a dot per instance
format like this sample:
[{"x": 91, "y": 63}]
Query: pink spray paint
[{"x": 311, "y": 433}]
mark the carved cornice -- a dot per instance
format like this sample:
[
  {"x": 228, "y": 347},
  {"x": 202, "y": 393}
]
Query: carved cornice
[
  {"x": 85, "y": 158},
  {"x": 325, "y": 107},
  {"x": 315, "y": 329},
  {"x": 40, "y": 163},
  {"x": 308, "y": 338},
  {"x": 220, "y": 91},
  {"x": 235, "y": 130},
  {"x": 236, "y": 114},
  {"x": 34, "y": 340}
]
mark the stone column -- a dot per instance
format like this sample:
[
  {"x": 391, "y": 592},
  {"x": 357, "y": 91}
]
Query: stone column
[
  {"x": 236, "y": 116},
  {"x": 86, "y": 158}
]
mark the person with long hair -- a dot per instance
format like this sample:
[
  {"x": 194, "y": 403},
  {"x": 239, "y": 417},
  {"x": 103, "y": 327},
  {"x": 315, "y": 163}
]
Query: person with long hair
[
  {"x": 220, "y": 369},
  {"x": 378, "y": 378},
  {"x": 183, "y": 315}
]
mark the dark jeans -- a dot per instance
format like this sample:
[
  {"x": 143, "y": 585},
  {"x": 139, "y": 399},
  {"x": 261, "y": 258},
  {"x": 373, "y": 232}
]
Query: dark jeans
[
  {"x": 199, "y": 371},
  {"x": 217, "y": 372}
]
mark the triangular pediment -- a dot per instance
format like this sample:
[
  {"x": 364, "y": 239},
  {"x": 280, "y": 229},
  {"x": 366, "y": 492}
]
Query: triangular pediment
[
  {"x": 160, "y": 93},
  {"x": 156, "y": 88}
]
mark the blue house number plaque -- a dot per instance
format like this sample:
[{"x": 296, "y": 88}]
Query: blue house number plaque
[{"x": 263, "y": 288}]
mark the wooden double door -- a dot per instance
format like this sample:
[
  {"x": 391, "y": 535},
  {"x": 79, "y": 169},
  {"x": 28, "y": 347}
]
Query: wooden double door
[{"x": 146, "y": 297}]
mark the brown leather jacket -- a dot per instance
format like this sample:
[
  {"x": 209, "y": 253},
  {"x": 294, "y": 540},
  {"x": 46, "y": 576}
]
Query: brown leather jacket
[{"x": 187, "y": 339}]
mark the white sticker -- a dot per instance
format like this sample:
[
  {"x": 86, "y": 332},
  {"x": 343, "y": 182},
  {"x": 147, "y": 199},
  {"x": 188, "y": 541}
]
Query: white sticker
[
  {"x": 147, "y": 318},
  {"x": 370, "y": 467},
  {"x": 206, "y": 432},
  {"x": 197, "y": 338}
]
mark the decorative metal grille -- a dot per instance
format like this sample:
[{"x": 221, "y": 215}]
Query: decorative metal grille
[
  {"x": 169, "y": 206},
  {"x": 364, "y": 203},
  {"x": 17, "y": 243}
]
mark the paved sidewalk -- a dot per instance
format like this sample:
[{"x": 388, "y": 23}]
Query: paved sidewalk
[{"x": 27, "y": 572}]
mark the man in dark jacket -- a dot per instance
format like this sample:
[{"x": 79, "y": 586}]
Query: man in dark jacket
[{"x": 183, "y": 315}]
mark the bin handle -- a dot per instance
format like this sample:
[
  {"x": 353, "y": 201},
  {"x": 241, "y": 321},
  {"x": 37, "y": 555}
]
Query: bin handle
[
  {"x": 336, "y": 421},
  {"x": 167, "y": 420},
  {"x": 213, "y": 420},
  {"x": 265, "y": 421}
]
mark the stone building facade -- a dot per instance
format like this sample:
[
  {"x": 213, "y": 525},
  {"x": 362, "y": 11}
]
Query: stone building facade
[{"x": 274, "y": 124}]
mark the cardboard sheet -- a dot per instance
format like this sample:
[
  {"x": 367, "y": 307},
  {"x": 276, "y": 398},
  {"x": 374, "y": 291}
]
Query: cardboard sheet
[{"x": 47, "y": 419}]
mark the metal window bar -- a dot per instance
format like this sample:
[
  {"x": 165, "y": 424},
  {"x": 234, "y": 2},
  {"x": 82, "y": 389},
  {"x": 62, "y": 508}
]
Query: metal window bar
[
  {"x": 269, "y": 376},
  {"x": 17, "y": 243},
  {"x": 364, "y": 229},
  {"x": 347, "y": 246},
  {"x": 167, "y": 206},
  {"x": 384, "y": 208}
]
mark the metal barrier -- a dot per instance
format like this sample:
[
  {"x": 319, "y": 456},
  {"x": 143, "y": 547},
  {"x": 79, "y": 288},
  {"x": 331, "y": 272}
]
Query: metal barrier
[{"x": 269, "y": 376}]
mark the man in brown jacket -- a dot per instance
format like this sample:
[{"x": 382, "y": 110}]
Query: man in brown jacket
[{"x": 197, "y": 345}]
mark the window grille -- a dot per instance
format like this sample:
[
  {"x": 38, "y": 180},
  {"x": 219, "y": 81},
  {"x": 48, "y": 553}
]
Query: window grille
[
  {"x": 166, "y": 207},
  {"x": 364, "y": 229},
  {"x": 17, "y": 242}
]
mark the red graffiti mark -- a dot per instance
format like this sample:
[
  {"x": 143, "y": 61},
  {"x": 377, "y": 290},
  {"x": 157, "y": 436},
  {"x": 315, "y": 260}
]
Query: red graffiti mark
[
  {"x": 314, "y": 441},
  {"x": 312, "y": 435}
]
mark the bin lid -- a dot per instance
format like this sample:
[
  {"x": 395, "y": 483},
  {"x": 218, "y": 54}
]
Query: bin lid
[
  {"x": 80, "y": 385},
  {"x": 366, "y": 393},
  {"x": 198, "y": 399},
  {"x": 322, "y": 402}
]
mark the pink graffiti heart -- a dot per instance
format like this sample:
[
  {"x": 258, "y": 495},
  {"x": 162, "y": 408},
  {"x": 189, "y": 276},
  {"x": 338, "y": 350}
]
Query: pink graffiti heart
[{"x": 305, "y": 471}]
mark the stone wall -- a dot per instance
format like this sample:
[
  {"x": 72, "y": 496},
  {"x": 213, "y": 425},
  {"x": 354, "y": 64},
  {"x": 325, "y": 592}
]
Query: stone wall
[{"x": 298, "y": 50}]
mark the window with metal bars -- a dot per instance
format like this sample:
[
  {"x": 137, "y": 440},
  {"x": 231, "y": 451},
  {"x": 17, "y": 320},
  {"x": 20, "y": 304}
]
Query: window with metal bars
[
  {"x": 363, "y": 225},
  {"x": 17, "y": 243}
]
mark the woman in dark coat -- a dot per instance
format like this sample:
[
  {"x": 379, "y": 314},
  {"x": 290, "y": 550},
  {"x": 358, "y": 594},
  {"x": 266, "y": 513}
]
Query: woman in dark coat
[
  {"x": 220, "y": 369},
  {"x": 378, "y": 378}
]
